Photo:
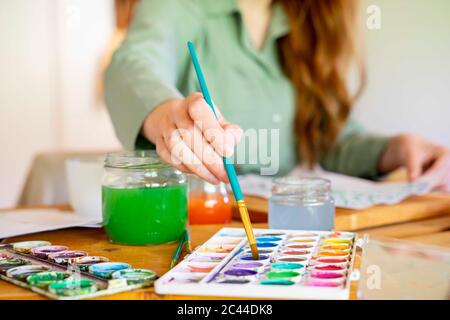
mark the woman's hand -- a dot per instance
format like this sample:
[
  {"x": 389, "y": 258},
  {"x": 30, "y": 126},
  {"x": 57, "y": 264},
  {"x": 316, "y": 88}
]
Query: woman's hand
[
  {"x": 419, "y": 156},
  {"x": 188, "y": 136}
]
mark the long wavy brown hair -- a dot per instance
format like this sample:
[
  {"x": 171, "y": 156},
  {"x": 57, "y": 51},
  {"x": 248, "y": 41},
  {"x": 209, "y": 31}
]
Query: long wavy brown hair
[{"x": 317, "y": 56}]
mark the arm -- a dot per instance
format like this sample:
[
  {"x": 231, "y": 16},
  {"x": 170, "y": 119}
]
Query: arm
[
  {"x": 357, "y": 153},
  {"x": 142, "y": 74}
]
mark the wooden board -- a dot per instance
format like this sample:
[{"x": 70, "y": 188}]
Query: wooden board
[{"x": 412, "y": 209}]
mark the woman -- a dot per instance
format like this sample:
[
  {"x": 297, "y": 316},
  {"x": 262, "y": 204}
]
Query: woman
[{"x": 276, "y": 65}]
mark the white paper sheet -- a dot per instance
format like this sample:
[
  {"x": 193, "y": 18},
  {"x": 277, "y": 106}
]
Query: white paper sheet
[
  {"x": 19, "y": 222},
  {"x": 348, "y": 192}
]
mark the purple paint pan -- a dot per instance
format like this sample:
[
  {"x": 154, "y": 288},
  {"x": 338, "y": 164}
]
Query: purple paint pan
[
  {"x": 262, "y": 258},
  {"x": 43, "y": 252},
  {"x": 248, "y": 265},
  {"x": 240, "y": 273},
  {"x": 64, "y": 257}
]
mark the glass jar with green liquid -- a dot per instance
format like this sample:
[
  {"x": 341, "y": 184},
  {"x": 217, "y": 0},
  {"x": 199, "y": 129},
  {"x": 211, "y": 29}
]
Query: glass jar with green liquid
[{"x": 144, "y": 199}]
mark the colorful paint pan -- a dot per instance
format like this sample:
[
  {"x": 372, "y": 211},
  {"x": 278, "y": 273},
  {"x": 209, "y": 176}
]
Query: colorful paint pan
[
  {"x": 267, "y": 251},
  {"x": 280, "y": 282},
  {"x": 295, "y": 245},
  {"x": 303, "y": 240},
  {"x": 329, "y": 267},
  {"x": 6, "y": 264},
  {"x": 64, "y": 257},
  {"x": 254, "y": 265},
  {"x": 72, "y": 287},
  {"x": 293, "y": 259},
  {"x": 22, "y": 272},
  {"x": 333, "y": 253},
  {"x": 240, "y": 273},
  {"x": 337, "y": 234},
  {"x": 286, "y": 266},
  {"x": 340, "y": 247},
  {"x": 218, "y": 248},
  {"x": 291, "y": 252},
  {"x": 43, "y": 252},
  {"x": 266, "y": 245},
  {"x": 337, "y": 240},
  {"x": 201, "y": 266},
  {"x": 262, "y": 258},
  {"x": 26, "y": 246},
  {"x": 274, "y": 234},
  {"x": 327, "y": 275},
  {"x": 332, "y": 261},
  {"x": 105, "y": 269},
  {"x": 44, "y": 279},
  {"x": 83, "y": 263},
  {"x": 282, "y": 274},
  {"x": 135, "y": 276}
]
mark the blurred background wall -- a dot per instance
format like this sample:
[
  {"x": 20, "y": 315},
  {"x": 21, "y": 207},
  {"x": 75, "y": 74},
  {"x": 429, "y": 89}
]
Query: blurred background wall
[{"x": 52, "y": 52}]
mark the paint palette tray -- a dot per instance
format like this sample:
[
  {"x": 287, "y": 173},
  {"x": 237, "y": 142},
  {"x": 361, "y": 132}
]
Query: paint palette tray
[
  {"x": 293, "y": 264},
  {"x": 59, "y": 273}
]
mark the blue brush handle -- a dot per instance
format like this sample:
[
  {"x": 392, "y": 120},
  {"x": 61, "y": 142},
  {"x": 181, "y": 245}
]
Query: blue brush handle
[{"x": 226, "y": 161}]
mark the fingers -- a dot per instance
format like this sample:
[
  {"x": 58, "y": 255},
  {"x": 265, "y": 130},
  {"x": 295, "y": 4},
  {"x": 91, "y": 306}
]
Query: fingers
[
  {"x": 164, "y": 153},
  {"x": 204, "y": 118},
  {"x": 195, "y": 141},
  {"x": 180, "y": 153},
  {"x": 440, "y": 171},
  {"x": 232, "y": 132},
  {"x": 413, "y": 164}
]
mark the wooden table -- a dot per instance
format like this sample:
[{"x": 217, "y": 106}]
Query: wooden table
[{"x": 423, "y": 227}]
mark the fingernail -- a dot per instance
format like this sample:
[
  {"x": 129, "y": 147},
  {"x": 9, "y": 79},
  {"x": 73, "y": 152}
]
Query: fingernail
[{"x": 229, "y": 151}]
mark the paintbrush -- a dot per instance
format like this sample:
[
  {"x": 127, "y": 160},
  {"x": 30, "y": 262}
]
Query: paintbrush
[
  {"x": 188, "y": 240},
  {"x": 178, "y": 250},
  {"x": 227, "y": 161}
]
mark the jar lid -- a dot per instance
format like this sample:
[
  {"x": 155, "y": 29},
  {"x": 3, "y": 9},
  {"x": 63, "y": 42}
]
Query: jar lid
[{"x": 139, "y": 159}]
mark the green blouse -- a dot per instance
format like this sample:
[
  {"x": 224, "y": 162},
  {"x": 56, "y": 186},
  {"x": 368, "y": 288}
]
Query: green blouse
[{"x": 248, "y": 85}]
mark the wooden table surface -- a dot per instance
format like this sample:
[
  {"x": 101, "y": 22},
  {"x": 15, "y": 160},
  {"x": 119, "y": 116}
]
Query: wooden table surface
[{"x": 431, "y": 229}]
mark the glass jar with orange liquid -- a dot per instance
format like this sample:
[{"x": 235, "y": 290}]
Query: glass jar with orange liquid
[{"x": 208, "y": 204}]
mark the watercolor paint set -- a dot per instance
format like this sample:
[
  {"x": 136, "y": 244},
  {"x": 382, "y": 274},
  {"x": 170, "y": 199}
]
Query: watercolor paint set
[
  {"x": 293, "y": 264},
  {"x": 58, "y": 272}
]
